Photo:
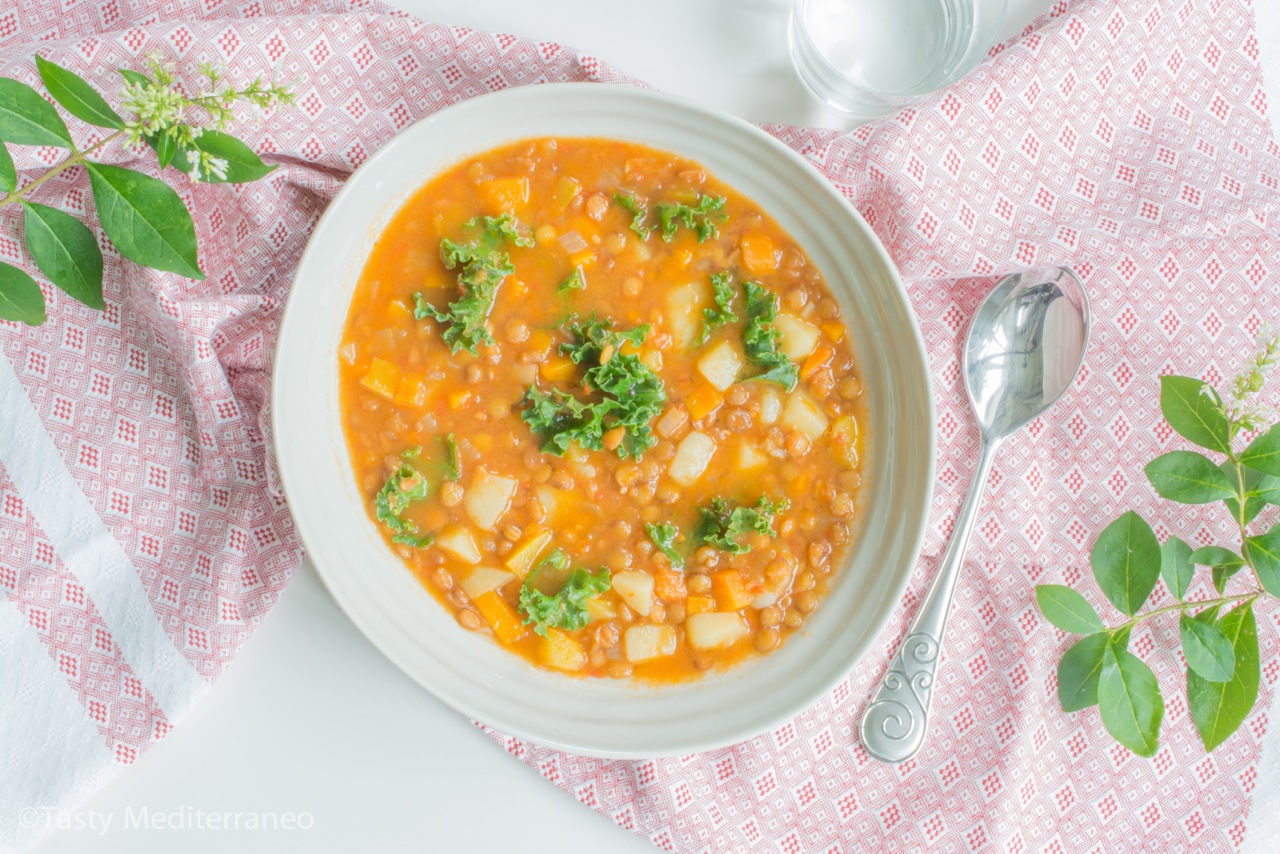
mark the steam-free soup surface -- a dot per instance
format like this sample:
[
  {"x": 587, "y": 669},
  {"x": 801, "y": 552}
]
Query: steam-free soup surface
[{"x": 605, "y": 409}]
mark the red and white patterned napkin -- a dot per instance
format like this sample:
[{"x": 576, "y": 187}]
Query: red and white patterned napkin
[{"x": 141, "y": 538}]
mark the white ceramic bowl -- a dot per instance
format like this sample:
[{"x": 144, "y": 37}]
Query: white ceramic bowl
[{"x": 469, "y": 671}]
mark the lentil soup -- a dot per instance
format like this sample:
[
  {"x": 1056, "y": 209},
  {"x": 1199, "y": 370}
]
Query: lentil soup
[{"x": 604, "y": 408}]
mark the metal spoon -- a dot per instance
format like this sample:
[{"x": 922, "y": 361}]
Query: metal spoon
[{"x": 1026, "y": 343}]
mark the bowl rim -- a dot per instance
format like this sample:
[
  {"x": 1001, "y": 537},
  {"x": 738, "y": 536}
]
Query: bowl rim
[{"x": 550, "y": 93}]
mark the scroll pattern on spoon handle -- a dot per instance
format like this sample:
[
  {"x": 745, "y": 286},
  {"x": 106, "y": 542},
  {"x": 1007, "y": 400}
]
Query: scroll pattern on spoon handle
[{"x": 894, "y": 724}]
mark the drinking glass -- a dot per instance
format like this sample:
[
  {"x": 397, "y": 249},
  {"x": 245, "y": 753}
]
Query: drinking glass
[{"x": 871, "y": 57}]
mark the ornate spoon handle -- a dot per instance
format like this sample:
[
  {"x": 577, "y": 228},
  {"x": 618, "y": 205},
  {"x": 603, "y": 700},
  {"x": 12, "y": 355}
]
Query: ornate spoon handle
[{"x": 893, "y": 726}]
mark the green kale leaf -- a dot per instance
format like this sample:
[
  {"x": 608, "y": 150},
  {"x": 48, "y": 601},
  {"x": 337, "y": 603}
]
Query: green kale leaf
[
  {"x": 699, "y": 218},
  {"x": 484, "y": 267},
  {"x": 722, "y": 526},
  {"x": 623, "y": 392},
  {"x": 714, "y": 318},
  {"x": 567, "y": 608},
  {"x": 760, "y": 339},
  {"x": 664, "y": 537}
]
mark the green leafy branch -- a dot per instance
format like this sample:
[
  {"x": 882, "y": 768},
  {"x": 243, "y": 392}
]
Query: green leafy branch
[
  {"x": 1220, "y": 646},
  {"x": 143, "y": 216}
]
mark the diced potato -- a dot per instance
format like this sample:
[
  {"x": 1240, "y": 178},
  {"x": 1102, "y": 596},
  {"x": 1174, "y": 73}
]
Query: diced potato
[
  {"x": 382, "y": 378},
  {"x": 645, "y": 642},
  {"x": 482, "y": 579},
  {"x": 502, "y": 618},
  {"x": 729, "y": 586},
  {"x": 691, "y": 459},
  {"x": 636, "y": 589},
  {"x": 505, "y": 195},
  {"x": 600, "y": 609},
  {"x": 716, "y": 630},
  {"x": 764, "y": 598},
  {"x": 559, "y": 650},
  {"x": 457, "y": 542},
  {"x": 721, "y": 365},
  {"x": 846, "y": 440},
  {"x": 521, "y": 559},
  {"x": 770, "y": 406},
  {"x": 801, "y": 413},
  {"x": 488, "y": 498},
  {"x": 548, "y": 497},
  {"x": 796, "y": 338},
  {"x": 684, "y": 312},
  {"x": 748, "y": 456}
]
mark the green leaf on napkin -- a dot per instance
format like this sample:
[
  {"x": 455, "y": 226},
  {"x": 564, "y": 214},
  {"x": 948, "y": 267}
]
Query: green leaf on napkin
[
  {"x": 1206, "y": 648},
  {"x": 1263, "y": 552},
  {"x": 242, "y": 163},
  {"x": 8, "y": 174},
  {"x": 76, "y": 96},
  {"x": 1130, "y": 702},
  {"x": 1126, "y": 562},
  {"x": 1067, "y": 609},
  {"x": 1218, "y": 708},
  {"x": 66, "y": 251},
  {"x": 20, "y": 297},
  {"x": 145, "y": 219},
  {"x": 28, "y": 119},
  {"x": 1176, "y": 566},
  {"x": 1194, "y": 409},
  {"x": 1263, "y": 453},
  {"x": 1188, "y": 478}
]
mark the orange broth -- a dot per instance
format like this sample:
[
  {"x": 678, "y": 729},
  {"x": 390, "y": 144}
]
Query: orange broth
[{"x": 513, "y": 502}]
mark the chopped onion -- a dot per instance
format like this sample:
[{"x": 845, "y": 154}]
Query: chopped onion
[{"x": 572, "y": 242}]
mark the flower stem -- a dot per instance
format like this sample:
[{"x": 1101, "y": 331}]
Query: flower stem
[
  {"x": 1183, "y": 606},
  {"x": 75, "y": 158}
]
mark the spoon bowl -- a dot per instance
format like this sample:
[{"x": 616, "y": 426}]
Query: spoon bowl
[{"x": 1024, "y": 348}]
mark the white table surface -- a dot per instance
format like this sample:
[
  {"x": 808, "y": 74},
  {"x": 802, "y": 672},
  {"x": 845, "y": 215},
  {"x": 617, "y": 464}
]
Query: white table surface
[{"x": 311, "y": 719}]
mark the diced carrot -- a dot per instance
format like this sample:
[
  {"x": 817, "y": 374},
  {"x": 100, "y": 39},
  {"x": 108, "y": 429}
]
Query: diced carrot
[
  {"x": 540, "y": 342},
  {"x": 398, "y": 312},
  {"x": 758, "y": 254},
  {"x": 382, "y": 378},
  {"x": 505, "y": 195},
  {"x": 699, "y": 605},
  {"x": 682, "y": 258},
  {"x": 668, "y": 585},
  {"x": 502, "y": 618},
  {"x": 834, "y": 330},
  {"x": 458, "y": 399},
  {"x": 817, "y": 359},
  {"x": 703, "y": 402},
  {"x": 516, "y": 288},
  {"x": 557, "y": 369},
  {"x": 730, "y": 589},
  {"x": 410, "y": 391},
  {"x": 585, "y": 258}
]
